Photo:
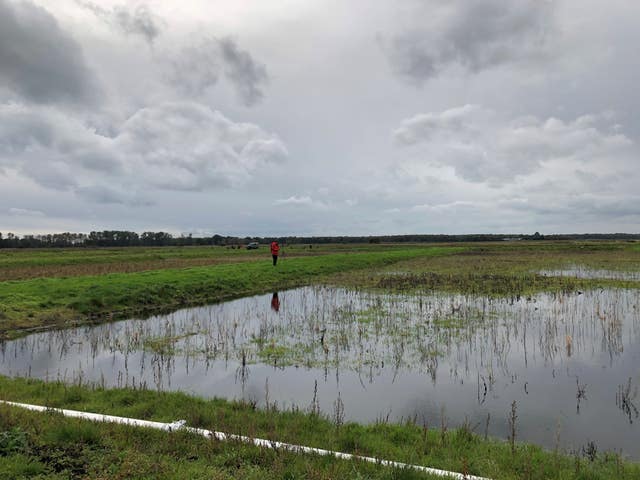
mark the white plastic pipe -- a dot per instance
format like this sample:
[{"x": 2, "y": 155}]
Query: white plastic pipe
[{"x": 180, "y": 425}]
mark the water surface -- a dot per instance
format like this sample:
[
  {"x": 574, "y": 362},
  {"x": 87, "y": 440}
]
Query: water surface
[
  {"x": 570, "y": 362},
  {"x": 580, "y": 271}
]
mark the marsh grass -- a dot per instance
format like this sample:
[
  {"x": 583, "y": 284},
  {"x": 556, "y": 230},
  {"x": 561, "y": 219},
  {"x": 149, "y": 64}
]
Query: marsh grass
[{"x": 508, "y": 270}]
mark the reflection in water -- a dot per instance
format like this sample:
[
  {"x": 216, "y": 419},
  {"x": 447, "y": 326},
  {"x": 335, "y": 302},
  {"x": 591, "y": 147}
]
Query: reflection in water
[
  {"x": 565, "y": 359},
  {"x": 275, "y": 302}
]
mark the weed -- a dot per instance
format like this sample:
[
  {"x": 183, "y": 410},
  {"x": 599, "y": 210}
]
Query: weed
[
  {"x": 13, "y": 441},
  {"x": 513, "y": 417}
]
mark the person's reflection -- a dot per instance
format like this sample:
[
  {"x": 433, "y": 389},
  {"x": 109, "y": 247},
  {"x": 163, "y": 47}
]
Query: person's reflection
[{"x": 275, "y": 302}]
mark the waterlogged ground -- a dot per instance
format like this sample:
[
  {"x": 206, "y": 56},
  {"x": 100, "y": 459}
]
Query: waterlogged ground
[
  {"x": 571, "y": 362},
  {"x": 579, "y": 271}
]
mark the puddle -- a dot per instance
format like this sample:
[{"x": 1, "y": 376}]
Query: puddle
[
  {"x": 589, "y": 273},
  {"x": 571, "y": 362}
]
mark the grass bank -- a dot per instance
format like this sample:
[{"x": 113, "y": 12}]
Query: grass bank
[
  {"x": 33, "y": 444},
  {"x": 46, "y": 302}
]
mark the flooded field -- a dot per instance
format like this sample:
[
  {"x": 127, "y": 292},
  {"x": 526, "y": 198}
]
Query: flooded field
[
  {"x": 579, "y": 271},
  {"x": 571, "y": 363}
]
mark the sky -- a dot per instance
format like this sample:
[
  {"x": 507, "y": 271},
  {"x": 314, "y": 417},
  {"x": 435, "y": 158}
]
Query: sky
[{"x": 314, "y": 117}]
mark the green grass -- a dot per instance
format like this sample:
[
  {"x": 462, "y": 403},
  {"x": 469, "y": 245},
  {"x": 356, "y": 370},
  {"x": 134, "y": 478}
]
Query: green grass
[
  {"x": 58, "y": 301},
  {"x": 10, "y": 258},
  {"x": 23, "y": 264},
  {"x": 73, "y": 448}
]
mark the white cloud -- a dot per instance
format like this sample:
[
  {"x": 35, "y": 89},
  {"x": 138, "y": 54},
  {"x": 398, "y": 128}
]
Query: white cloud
[
  {"x": 484, "y": 146},
  {"x": 185, "y": 146},
  {"x": 302, "y": 201},
  {"x": 176, "y": 146},
  {"x": 444, "y": 207}
]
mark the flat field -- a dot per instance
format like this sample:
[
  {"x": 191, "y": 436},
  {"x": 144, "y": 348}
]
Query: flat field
[
  {"x": 51, "y": 289},
  {"x": 23, "y": 264}
]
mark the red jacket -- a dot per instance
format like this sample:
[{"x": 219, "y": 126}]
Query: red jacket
[{"x": 275, "y": 248}]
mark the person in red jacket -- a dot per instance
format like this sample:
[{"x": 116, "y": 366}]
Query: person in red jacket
[{"x": 275, "y": 250}]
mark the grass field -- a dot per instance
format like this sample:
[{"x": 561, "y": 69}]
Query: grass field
[
  {"x": 22, "y": 264},
  {"x": 58, "y": 288}
]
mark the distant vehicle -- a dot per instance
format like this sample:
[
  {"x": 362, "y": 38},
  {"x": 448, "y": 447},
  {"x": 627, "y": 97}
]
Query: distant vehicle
[{"x": 253, "y": 245}]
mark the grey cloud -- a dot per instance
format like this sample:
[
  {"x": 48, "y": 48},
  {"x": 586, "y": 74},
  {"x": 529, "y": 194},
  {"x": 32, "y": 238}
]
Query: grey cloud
[
  {"x": 576, "y": 206},
  {"x": 606, "y": 207},
  {"x": 474, "y": 35},
  {"x": 197, "y": 68},
  {"x": 129, "y": 20},
  {"x": 53, "y": 175},
  {"x": 38, "y": 60},
  {"x": 247, "y": 76},
  {"x": 484, "y": 146},
  {"x": 24, "y": 212},
  {"x": 44, "y": 142},
  {"x": 104, "y": 194},
  {"x": 555, "y": 61},
  {"x": 602, "y": 182},
  {"x": 446, "y": 208}
]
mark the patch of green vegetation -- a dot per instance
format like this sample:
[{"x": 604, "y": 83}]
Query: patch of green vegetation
[
  {"x": 57, "y": 447},
  {"x": 369, "y": 315},
  {"x": 273, "y": 353},
  {"x": 451, "y": 322},
  {"x": 165, "y": 345}
]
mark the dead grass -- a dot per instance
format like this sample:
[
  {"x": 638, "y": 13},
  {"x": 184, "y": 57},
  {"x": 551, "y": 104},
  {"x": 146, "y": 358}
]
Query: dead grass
[{"x": 40, "y": 271}]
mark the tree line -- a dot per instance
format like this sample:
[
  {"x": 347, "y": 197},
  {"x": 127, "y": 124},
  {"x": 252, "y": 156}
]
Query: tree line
[
  {"x": 124, "y": 238},
  {"x": 107, "y": 238}
]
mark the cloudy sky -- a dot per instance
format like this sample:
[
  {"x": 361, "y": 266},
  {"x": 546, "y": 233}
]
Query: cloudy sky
[{"x": 320, "y": 117}]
